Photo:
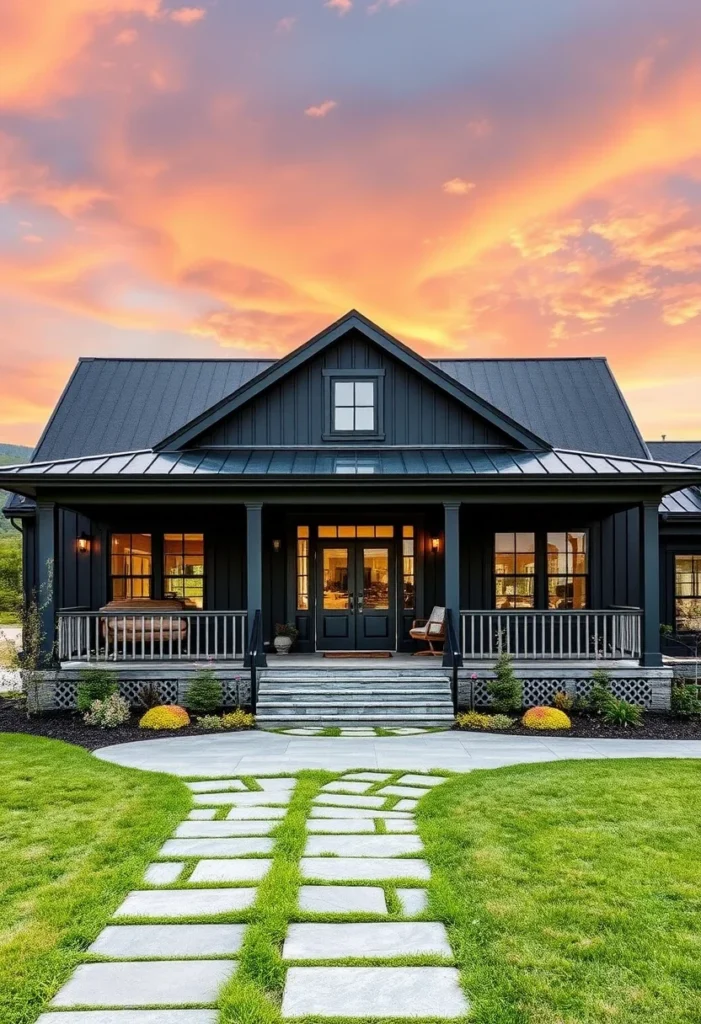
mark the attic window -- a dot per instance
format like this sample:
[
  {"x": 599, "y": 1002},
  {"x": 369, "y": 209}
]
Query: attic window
[{"x": 353, "y": 404}]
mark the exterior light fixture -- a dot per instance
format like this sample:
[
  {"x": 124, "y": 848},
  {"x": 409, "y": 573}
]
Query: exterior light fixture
[
  {"x": 435, "y": 544},
  {"x": 277, "y": 544},
  {"x": 83, "y": 543}
]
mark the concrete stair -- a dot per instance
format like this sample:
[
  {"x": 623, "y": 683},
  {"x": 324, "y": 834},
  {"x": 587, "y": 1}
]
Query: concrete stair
[{"x": 333, "y": 696}]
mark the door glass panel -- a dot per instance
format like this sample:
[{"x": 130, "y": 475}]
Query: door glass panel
[
  {"x": 375, "y": 578},
  {"x": 335, "y": 583}
]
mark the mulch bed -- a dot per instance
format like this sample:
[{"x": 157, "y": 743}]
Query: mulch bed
[{"x": 655, "y": 726}]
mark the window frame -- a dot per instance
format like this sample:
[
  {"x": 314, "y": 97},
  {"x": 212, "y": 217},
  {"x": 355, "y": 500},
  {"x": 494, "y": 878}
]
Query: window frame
[
  {"x": 541, "y": 575},
  {"x": 515, "y": 575},
  {"x": 112, "y": 576},
  {"x": 695, "y": 557},
  {"x": 568, "y": 576},
  {"x": 183, "y": 576},
  {"x": 359, "y": 376}
]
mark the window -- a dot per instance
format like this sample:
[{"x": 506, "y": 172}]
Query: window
[
  {"x": 350, "y": 532},
  {"x": 514, "y": 570},
  {"x": 303, "y": 568},
  {"x": 130, "y": 565},
  {"x": 408, "y": 572},
  {"x": 687, "y": 593},
  {"x": 567, "y": 570},
  {"x": 355, "y": 465},
  {"x": 353, "y": 405},
  {"x": 183, "y": 567}
]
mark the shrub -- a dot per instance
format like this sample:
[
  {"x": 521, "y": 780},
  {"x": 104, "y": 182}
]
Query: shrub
[
  {"x": 209, "y": 722},
  {"x": 546, "y": 718},
  {"x": 685, "y": 700},
  {"x": 95, "y": 684},
  {"x": 563, "y": 701},
  {"x": 472, "y": 720},
  {"x": 601, "y": 691},
  {"x": 167, "y": 716},
  {"x": 238, "y": 719},
  {"x": 506, "y": 690},
  {"x": 205, "y": 693},
  {"x": 500, "y": 722},
  {"x": 622, "y": 713},
  {"x": 108, "y": 713},
  {"x": 149, "y": 696}
]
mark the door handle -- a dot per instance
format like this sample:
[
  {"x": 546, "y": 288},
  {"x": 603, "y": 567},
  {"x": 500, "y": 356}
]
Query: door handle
[
  {"x": 360, "y": 605},
  {"x": 350, "y": 602}
]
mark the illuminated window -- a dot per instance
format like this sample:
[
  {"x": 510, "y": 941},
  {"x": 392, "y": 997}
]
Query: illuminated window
[
  {"x": 687, "y": 593},
  {"x": 514, "y": 570},
  {"x": 303, "y": 568},
  {"x": 353, "y": 405},
  {"x": 130, "y": 565},
  {"x": 350, "y": 532},
  {"x": 567, "y": 570},
  {"x": 183, "y": 567},
  {"x": 408, "y": 571}
]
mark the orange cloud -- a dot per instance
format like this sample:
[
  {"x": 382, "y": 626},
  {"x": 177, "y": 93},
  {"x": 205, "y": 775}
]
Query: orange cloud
[
  {"x": 458, "y": 187},
  {"x": 681, "y": 303},
  {"x": 187, "y": 15},
  {"x": 342, "y": 6},
  {"x": 322, "y": 110}
]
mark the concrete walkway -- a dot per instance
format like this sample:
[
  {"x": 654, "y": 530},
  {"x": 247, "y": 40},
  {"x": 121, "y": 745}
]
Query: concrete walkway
[{"x": 255, "y": 752}]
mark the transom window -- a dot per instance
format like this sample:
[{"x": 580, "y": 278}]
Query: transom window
[
  {"x": 567, "y": 570},
  {"x": 353, "y": 405},
  {"x": 355, "y": 531},
  {"x": 183, "y": 567},
  {"x": 130, "y": 565},
  {"x": 687, "y": 593},
  {"x": 514, "y": 570}
]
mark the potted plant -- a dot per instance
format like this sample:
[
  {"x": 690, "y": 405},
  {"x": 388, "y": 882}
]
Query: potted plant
[{"x": 285, "y": 635}]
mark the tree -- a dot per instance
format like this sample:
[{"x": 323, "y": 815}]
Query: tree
[{"x": 10, "y": 573}]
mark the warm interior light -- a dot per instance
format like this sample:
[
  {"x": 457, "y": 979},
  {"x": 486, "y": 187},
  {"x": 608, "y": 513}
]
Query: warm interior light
[
  {"x": 277, "y": 544},
  {"x": 83, "y": 542},
  {"x": 435, "y": 544}
]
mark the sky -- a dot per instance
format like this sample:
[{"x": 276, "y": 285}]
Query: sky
[{"x": 483, "y": 178}]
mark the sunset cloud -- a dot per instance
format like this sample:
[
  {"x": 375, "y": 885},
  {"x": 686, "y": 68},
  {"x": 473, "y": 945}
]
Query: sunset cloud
[
  {"x": 458, "y": 187},
  {"x": 285, "y": 25},
  {"x": 187, "y": 15},
  {"x": 322, "y": 110},
  {"x": 342, "y": 6}
]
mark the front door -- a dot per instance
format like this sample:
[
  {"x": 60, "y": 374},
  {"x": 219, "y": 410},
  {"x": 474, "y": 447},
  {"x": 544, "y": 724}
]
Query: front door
[{"x": 355, "y": 600}]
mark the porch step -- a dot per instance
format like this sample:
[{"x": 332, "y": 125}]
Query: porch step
[{"x": 373, "y": 697}]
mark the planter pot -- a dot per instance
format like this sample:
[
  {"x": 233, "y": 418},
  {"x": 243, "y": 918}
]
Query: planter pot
[{"x": 282, "y": 644}]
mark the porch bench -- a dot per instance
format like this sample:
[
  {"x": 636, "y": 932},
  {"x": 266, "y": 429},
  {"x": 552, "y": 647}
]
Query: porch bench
[{"x": 142, "y": 621}]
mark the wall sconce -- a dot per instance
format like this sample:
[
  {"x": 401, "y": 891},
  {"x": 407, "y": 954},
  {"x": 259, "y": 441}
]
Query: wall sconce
[
  {"x": 277, "y": 544},
  {"x": 435, "y": 544},
  {"x": 83, "y": 543}
]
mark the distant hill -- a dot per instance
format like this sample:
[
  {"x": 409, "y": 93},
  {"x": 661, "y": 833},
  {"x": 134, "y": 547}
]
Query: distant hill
[{"x": 9, "y": 455}]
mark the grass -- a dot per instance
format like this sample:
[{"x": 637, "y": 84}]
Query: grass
[
  {"x": 75, "y": 835},
  {"x": 572, "y": 890}
]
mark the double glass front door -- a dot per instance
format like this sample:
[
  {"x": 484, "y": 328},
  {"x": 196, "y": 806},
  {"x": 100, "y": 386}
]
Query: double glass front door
[{"x": 355, "y": 603}]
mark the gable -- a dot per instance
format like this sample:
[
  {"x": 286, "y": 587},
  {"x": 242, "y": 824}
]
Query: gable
[{"x": 293, "y": 411}]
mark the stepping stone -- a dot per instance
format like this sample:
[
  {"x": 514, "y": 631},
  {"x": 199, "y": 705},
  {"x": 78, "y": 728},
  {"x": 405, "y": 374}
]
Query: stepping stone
[
  {"x": 163, "y": 874},
  {"x": 342, "y": 899},
  {"x": 408, "y": 730},
  {"x": 276, "y": 785},
  {"x": 368, "y": 776},
  {"x": 349, "y": 787},
  {"x": 405, "y": 805},
  {"x": 215, "y": 847},
  {"x": 399, "y": 826},
  {"x": 349, "y": 801},
  {"x": 402, "y": 791},
  {"x": 349, "y": 869},
  {"x": 168, "y": 940},
  {"x": 358, "y": 732},
  {"x": 362, "y": 846},
  {"x": 251, "y": 870},
  {"x": 153, "y": 983},
  {"x": 421, "y": 780},
  {"x": 130, "y": 1017},
  {"x": 214, "y": 785},
  {"x": 373, "y": 992},
  {"x": 338, "y": 941},
  {"x": 357, "y": 812},
  {"x": 343, "y": 825},
  {"x": 202, "y": 814},
  {"x": 302, "y": 732},
  {"x": 185, "y": 902},
  {"x": 210, "y": 829},
  {"x": 256, "y": 813},
  {"x": 413, "y": 901},
  {"x": 246, "y": 799}
]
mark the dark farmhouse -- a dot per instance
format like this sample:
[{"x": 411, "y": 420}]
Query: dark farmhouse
[{"x": 176, "y": 510}]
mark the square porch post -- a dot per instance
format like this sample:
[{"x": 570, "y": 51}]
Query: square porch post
[
  {"x": 46, "y": 578},
  {"x": 650, "y": 553},
  {"x": 254, "y": 571},
  {"x": 451, "y": 558}
]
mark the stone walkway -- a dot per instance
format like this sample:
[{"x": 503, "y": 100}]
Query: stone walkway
[{"x": 362, "y": 858}]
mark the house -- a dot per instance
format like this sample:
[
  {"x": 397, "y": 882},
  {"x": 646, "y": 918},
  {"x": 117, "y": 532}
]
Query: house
[{"x": 175, "y": 510}]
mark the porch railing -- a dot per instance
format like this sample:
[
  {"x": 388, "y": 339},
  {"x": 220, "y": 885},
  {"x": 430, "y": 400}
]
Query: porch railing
[
  {"x": 144, "y": 636},
  {"x": 552, "y": 635}
]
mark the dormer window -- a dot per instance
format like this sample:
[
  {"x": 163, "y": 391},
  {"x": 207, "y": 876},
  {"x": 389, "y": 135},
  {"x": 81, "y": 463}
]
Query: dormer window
[{"x": 354, "y": 404}]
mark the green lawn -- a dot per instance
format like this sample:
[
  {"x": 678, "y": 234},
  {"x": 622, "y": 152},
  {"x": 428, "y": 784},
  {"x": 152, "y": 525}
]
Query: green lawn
[
  {"x": 75, "y": 836},
  {"x": 572, "y": 890}
]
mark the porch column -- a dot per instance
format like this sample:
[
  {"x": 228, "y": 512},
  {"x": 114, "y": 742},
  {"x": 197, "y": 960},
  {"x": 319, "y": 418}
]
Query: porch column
[
  {"x": 650, "y": 557},
  {"x": 451, "y": 558},
  {"x": 254, "y": 565},
  {"x": 46, "y": 526}
]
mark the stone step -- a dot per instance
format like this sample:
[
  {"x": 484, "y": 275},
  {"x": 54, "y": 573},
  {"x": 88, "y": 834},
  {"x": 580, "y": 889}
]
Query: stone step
[
  {"x": 370, "y": 941},
  {"x": 330, "y": 721},
  {"x": 373, "y": 992}
]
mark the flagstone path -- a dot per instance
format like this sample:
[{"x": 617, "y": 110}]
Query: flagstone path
[{"x": 363, "y": 856}]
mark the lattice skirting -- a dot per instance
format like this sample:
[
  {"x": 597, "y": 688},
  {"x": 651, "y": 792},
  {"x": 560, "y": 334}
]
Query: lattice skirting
[
  {"x": 648, "y": 687},
  {"x": 56, "y": 691}
]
